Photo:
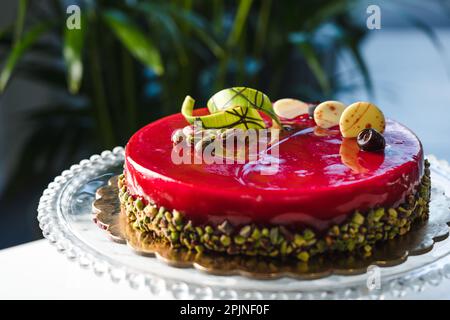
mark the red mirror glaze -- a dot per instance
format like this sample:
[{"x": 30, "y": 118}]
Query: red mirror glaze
[{"x": 321, "y": 178}]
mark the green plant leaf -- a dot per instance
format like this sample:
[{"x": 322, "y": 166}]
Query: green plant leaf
[
  {"x": 361, "y": 64},
  {"x": 311, "y": 58},
  {"x": 20, "y": 19},
  {"x": 239, "y": 21},
  {"x": 189, "y": 21},
  {"x": 262, "y": 26},
  {"x": 139, "y": 44},
  {"x": 161, "y": 15},
  {"x": 19, "y": 48},
  {"x": 198, "y": 27},
  {"x": 414, "y": 19},
  {"x": 212, "y": 44},
  {"x": 426, "y": 29},
  {"x": 350, "y": 40},
  {"x": 327, "y": 11},
  {"x": 73, "y": 52},
  {"x": 218, "y": 9}
]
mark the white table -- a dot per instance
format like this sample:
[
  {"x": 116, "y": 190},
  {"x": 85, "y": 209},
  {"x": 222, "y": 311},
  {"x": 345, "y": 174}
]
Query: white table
[{"x": 37, "y": 271}]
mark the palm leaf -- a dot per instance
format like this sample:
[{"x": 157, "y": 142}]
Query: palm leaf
[
  {"x": 168, "y": 23},
  {"x": 19, "y": 48},
  {"x": 20, "y": 20},
  {"x": 72, "y": 51},
  {"x": 134, "y": 39},
  {"x": 312, "y": 59},
  {"x": 327, "y": 11},
  {"x": 198, "y": 27},
  {"x": 262, "y": 27},
  {"x": 239, "y": 22},
  {"x": 427, "y": 30},
  {"x": 352, "y": 45},
  {"x": 362, "y": 66}
]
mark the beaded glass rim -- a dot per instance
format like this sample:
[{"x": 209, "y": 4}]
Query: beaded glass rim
[{"x": 55, "y": 228}]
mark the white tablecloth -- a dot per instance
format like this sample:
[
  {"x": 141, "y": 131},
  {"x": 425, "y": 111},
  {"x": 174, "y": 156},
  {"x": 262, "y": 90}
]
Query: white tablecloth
[{"x": 37, "y": 271}]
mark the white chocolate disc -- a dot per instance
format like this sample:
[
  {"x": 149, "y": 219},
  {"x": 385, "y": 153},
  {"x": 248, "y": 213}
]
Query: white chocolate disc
[
  {"x": 328, "y": 113},
  {"x": 359, "y": 116},
  {"x": 290, "y": 108}
]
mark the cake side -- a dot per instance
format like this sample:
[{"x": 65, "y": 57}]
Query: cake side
[{"x": 358, "y": 233}]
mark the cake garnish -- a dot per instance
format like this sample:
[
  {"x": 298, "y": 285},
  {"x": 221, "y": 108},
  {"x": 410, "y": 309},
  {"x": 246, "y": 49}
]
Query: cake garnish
[
  {"x": 328, "y": 113},
  {"x": 290, "y": 108},
  {"x": 371, "y": 140},
  {"x": 235, "y": 107},
  {"x": 208, "y": 137},
  {"x": 359, "y": 116}
]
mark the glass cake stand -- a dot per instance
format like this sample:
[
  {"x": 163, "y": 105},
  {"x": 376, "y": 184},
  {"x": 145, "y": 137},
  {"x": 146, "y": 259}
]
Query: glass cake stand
[{"x": 65, "y": 216}]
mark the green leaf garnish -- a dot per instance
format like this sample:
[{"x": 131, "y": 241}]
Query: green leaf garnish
[
  {"x": 233, "y": 108},
  {"x": 237, "y": 117}
]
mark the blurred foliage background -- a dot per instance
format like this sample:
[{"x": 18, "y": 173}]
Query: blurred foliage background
[{"x": 134, "y": 61}]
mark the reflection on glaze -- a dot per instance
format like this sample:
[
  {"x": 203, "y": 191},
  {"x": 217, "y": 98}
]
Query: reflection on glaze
[{"x": 349, "y": 152}]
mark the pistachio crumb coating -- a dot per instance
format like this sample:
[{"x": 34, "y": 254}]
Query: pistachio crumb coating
[{"x": 358, "y": 234}]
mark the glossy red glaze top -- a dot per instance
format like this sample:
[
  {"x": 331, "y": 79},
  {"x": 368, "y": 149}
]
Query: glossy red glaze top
[{"x": 321, "y": 177}]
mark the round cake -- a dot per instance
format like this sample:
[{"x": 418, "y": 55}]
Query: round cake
[{"x": 327, "y": 195}]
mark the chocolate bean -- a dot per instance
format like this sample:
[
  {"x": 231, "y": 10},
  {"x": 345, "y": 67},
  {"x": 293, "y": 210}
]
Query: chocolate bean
[{"x": 371, "y": 140}]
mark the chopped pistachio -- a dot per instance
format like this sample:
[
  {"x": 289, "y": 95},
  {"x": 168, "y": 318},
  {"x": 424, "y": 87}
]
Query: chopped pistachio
[
  {"x": 225, "y": 227},
  {"x": 392, "y": 213},
  {"x": 225, "y": 240},
  {"x": 139, "y": 204},
  {"x": 299, "y": 240},
  {"x": 245, "y": 231},
  {"x": 239, "y": 240},
  {"x": 308, "y": 234},
  {"x": 303, "y": 256},
  {"x": 358, "y": 218},
  {"x": 199, "y": 231},
  {"x": 174, "y": 236},
  {"x": 274, "y": 235},
  {"x": 256, "y": 234}
]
